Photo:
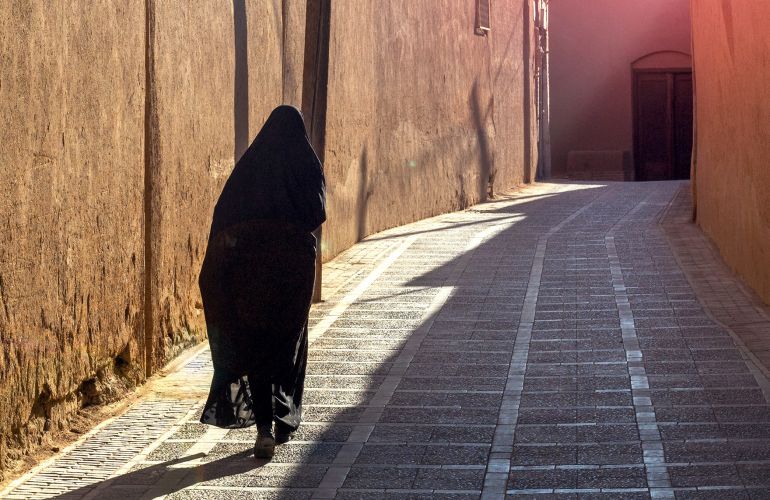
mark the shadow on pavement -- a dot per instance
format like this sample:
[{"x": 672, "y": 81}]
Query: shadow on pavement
[{"x": 164, "y": 478}]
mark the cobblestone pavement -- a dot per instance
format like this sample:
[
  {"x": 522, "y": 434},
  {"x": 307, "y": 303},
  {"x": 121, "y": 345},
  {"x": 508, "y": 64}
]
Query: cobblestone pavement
[{"x": 549, "y": 344}]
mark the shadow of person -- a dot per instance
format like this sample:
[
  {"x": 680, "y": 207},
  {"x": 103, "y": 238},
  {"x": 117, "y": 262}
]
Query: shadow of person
[{"x": 168, "y": 477}]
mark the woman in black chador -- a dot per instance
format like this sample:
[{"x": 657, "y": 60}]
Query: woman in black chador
[{"x": 257, "y": 281}]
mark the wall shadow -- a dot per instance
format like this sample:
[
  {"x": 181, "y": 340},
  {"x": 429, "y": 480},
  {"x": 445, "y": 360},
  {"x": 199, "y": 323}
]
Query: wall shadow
[
  {"x": 362, "y": 200},
  {"x": 485, "y": 151},
  {"x": 241, "y": 138}
]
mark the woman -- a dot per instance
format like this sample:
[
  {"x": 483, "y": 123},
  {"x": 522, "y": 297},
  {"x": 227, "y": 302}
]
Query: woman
[{"x": 257, "y": 281}]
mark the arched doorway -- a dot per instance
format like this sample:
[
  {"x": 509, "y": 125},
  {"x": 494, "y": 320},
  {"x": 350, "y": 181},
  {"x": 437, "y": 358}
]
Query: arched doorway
[{"x": 663, "y": 116}]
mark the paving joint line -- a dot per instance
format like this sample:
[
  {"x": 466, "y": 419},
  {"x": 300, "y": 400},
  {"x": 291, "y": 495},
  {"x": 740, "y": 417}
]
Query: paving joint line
[
  {"x": 498, "y": 467},
  {"x": 653, "y": 454}
]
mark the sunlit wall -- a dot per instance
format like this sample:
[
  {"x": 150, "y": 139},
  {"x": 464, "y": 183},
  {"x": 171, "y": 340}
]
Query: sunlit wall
[{"x": 731, "y": 45}]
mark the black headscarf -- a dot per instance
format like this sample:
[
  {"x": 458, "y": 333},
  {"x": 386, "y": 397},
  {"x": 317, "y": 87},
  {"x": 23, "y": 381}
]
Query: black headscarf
[{"x": 279, "y": 178}]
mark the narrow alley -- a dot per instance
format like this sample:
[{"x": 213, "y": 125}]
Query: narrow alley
[{"x": 566, "y": 341}]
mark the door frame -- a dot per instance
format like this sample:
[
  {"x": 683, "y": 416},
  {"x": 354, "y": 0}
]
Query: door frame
[{"x": 635, "y": 72}]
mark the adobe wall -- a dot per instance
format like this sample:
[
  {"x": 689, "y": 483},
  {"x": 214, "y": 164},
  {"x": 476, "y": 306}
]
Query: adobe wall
[
  {"x": 420, "y": 112},
  {"x": 86, "y": 133},
  {"x": 217, "y": 75},
  {"x": 71, "y": 247},
  {"x": 732, "y": 177},
  {"x": 591, "y": 51}
]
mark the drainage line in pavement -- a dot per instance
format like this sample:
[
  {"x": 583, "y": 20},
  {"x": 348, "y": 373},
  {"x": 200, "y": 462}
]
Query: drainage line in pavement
[
  {"x": 499, "y": 465},
  {"x": 658, "y": 480}
]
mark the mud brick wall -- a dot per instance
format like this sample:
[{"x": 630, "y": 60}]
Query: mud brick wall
[
  {"x": 71, "y": 246},
  {"x": 120, "y": 123},
  {"x": 421, "y": 111},
  {"x": 732, "y": 99}
]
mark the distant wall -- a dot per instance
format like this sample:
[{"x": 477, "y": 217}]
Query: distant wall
[
  {"x": 732, "y": 162},
  {"x": 593, "y": 43},
  {"x": 421, "y": 111},
  {"x": 71, "y": 246}
]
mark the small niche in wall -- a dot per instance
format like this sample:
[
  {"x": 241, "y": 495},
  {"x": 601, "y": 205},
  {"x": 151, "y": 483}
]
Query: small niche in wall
[{"x": 483, "y": 23}]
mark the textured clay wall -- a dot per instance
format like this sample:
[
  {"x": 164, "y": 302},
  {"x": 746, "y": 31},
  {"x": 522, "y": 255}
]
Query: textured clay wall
[
  {"x": 217, "y": 74},
  {"x": 71, "y": 247},
  {"x": 731, "y": 47},
  {"x": 593, "y": 43},
  {"x": 88, "y": 129},
  {"x": 420, "y": 112}
]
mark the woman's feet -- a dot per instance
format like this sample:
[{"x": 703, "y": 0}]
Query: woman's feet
[
  {"x": 283, "y": 437},
  {"x": 283, "y": 434},
  {"x": 264, "y": 447}
]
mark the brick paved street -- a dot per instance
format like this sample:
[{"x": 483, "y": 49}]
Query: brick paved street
[{"x": 552, "y": 343}]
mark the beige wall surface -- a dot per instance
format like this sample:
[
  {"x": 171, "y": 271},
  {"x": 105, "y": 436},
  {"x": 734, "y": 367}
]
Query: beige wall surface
[
  {"x": 71, "y": 247},
  {"x": 732, "y": 169},
  {"x": 593, "y": 44},
  {"x": 217, "y": 76},
  {"x": 420, "y": 112},
  {"x": 80, "y": 148}
]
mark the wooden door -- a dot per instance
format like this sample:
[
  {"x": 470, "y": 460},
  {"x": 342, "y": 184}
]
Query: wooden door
[{"x": 662, "y": 125}]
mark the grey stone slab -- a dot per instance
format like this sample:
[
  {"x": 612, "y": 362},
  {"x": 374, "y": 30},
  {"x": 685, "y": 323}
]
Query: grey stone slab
[
  {"x": 544, "y": 455},
  {"x": 606, "y": 433},
  {"x": 698, "y": 452},
  {"x": 546, "y": 434},
  {"x": 717, "y": 494},
  {"x": 224, "y": 494},
  {"x": 438, "y": 415},
  {"x": 754, "y": 474},
  {"x": 704, "y": 475},
  {"x": 388, "y": 454},
  {"x": 547, "y": 416},
  {"x": 362, "y": 382},
  {"x": 446, "y": 382},
  {"x": 331, "y": 414},
  {"x": 455, "y": 455},
  {"x": 337, "y": 397},
  {"x": 380, "y": 477},
  {"x": 449, "y": 479},
  {"x": 612, "y": 478},
  {"x": 602, "y": 454},
  {"x": 425, "y": 398},
  {"x": 169, "y": 451},
  {"x": 192, "y": 430},
  {"x": 551, "y": 478},
  {"x": 335, "y": 368}
]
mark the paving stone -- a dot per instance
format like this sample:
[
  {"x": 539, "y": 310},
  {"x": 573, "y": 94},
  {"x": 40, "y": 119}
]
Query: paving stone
[
  {"x": 169, "y": 451},
  {"x": 380, "y": 477},
  {"x": 449, "y": 479}
]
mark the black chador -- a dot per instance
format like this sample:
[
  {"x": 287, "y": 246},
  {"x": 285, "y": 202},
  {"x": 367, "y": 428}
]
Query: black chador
[{"x": 257, "y": 278}]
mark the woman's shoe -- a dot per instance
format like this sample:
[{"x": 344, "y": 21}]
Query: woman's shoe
[
  {"x": 283, "y": 437},
  {"x": 264, "y": 447}
]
